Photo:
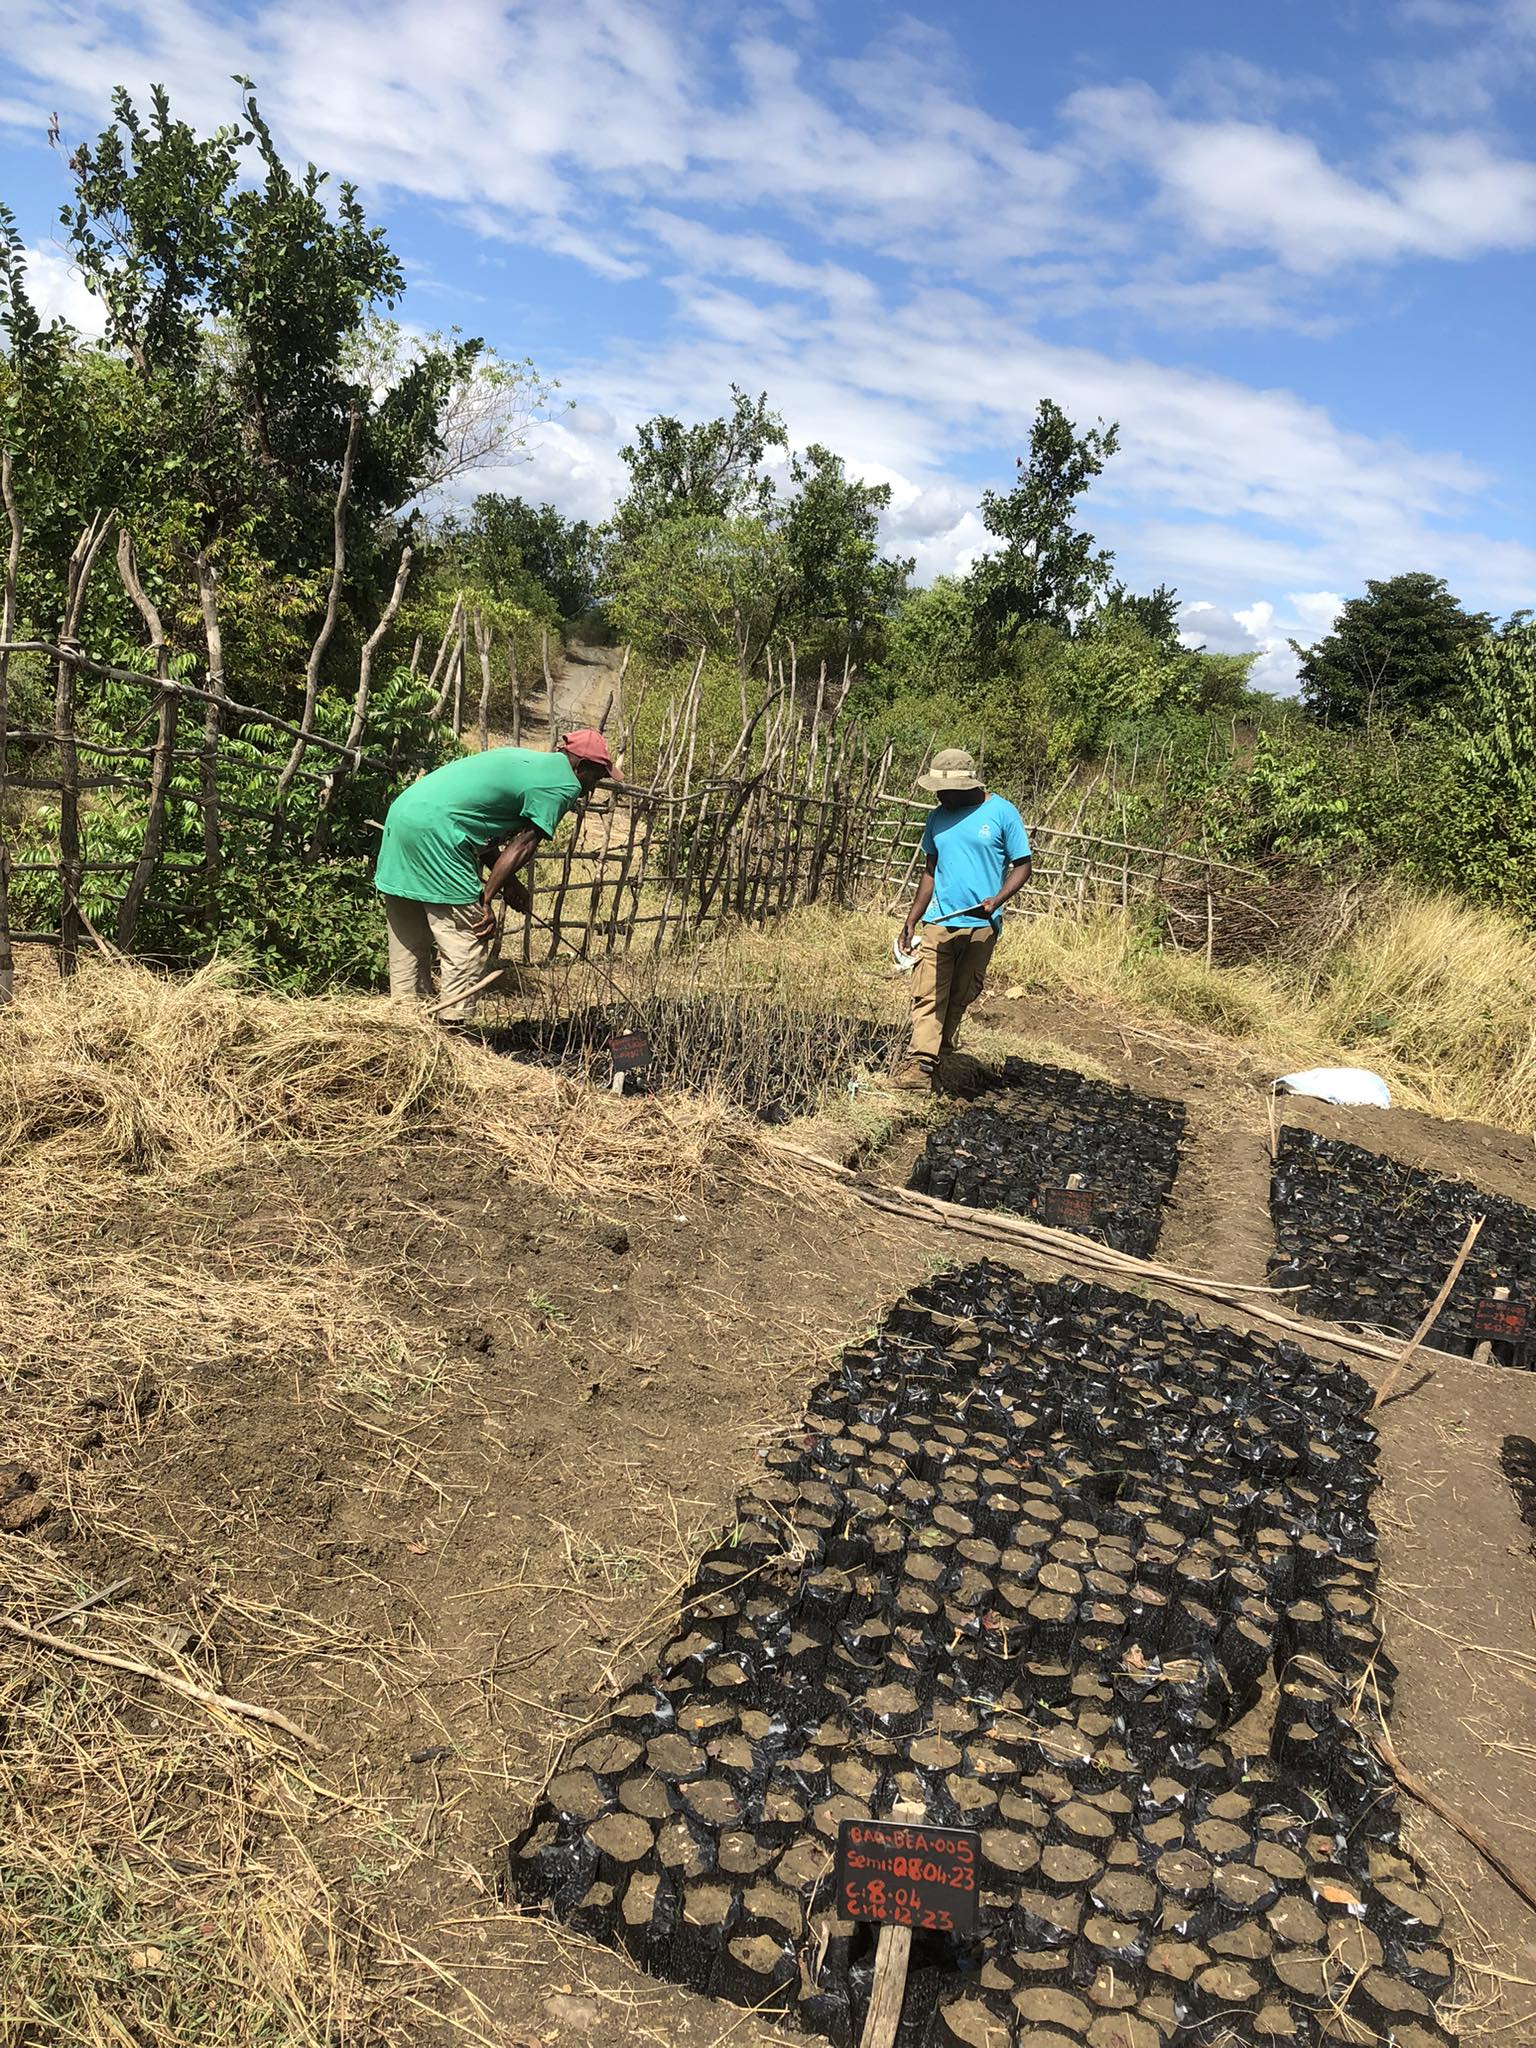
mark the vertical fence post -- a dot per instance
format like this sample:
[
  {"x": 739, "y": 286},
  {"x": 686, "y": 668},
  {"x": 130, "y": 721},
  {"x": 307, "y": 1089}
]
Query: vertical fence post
[
  {"x": 7, "y": 630},
  {"x": 71, "y": 859},
  {"x": 213, "y": 726},
  {"x": 167, "y": 708}
]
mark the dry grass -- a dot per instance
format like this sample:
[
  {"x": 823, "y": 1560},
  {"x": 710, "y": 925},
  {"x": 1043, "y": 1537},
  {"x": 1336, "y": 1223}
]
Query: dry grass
[
  {"x": 167, "y": 1877},
  {"x": 156, "y": 1880},
  {"x": 126, "y": 1072}
]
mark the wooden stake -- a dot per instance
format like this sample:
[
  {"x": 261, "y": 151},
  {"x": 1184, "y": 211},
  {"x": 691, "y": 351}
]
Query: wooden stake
[
  {"x": 1482, "y": 1353},
  {"x": 1433, "y": 1310},
  {"x": 1416, "y": 1788},
  {"x": 893, "y": 1951}
]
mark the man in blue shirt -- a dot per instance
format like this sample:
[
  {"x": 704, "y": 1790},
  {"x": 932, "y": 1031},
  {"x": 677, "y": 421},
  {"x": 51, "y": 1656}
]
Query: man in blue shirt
[{"x": 977, "y": 858}]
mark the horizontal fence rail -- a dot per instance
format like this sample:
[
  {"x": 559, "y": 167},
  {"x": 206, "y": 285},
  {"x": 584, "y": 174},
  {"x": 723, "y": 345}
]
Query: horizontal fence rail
[{"x": 796, "y": 810}]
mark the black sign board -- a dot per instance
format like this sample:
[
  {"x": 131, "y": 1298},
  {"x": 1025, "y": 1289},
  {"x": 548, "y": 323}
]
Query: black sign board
[
  {"x": 906, "y": 1874},
  {"x": 1506, "y": 1322},
  {"x": 1069, "y": 1208},
  {"x": 630, "y": 1052}
]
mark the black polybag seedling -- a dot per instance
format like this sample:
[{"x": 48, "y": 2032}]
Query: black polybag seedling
[
  {"x": 1370, "y": 1241},
  {"x": 1040, "y": 1126},
  {"x": 1062, "y": 1566},
  {"x": 769, "y": 1058}
]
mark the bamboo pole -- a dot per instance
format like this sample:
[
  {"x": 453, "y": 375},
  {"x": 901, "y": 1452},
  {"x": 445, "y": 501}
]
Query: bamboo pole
[
  {"x": 7, "y": 628},
  {"x": 332, "y": 607},
  {"x": 913, "y": 1207},
  {"x": 208, "y": 776},
  {"x": 483, "y": 649},
  {"x": 444, "y": 653},
  {"x": 360, "y": 702},
  {"x": 71, "y": 868},
  {"x": 167, "y": 707},
  {"x": 517, "y": 690},
  {"x": 1416, "y": 1340}
]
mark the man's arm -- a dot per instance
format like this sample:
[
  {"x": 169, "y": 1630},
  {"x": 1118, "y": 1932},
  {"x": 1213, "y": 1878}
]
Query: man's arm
[
  {"x": 920, "y": 903},
  {"x": 503, "y": 880},
  {"x": 1018, "y": 874}
]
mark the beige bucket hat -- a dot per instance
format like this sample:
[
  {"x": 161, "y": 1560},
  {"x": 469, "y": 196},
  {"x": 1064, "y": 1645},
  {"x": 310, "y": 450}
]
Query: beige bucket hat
[{"x": 952, "y": 768}]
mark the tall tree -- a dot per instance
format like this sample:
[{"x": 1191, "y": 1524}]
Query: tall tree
[
  {"x": 843, "y": 586},
  {"x": 1480, "y": 832},
  {"x": 1395, "y": 654},
  {"x": 713, "y": 470},
  {"x": 512, "y": 549},
  {"x": 1048, "y": 571}
]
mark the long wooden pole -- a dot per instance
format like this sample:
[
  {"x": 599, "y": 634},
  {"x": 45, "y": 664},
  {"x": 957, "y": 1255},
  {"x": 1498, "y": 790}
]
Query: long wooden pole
[
  {"x": 912, "y": 1207},
  {"x": 1433, "y": 1310},
  {"x": 332, "y": 608},
  {"x": 168, "y": 705},
  {"x": 7, "y": 628}
]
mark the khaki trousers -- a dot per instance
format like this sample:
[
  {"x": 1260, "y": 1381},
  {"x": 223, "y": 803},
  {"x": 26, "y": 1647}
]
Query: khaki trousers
[
  {"x": 950, "y": 974},
  {"x": 415, "y": 931}
]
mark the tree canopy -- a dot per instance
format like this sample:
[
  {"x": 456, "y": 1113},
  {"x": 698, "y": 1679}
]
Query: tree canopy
[
  {"x": 1395, "y": 654},
  {"x": 1048, "y": 570}
]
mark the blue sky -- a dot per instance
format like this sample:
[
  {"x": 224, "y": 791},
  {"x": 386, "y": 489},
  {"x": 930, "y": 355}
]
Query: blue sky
[{"x": 1288, "y": 247}]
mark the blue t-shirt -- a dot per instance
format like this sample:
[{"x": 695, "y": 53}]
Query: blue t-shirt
[{"x": 975, "y": 848}]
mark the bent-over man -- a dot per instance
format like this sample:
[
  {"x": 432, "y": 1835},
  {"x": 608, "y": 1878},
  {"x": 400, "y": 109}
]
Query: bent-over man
[
  {"x": 436, "y": 834},
  {"x": 977, "y": 858}
]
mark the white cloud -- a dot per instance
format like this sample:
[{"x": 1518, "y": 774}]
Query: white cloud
[
  {"x": 1263, "y": 630},
  {"x": 1246, "y": 185},
  {"x": 57, "y": 290},
  {"x": 864, "y": 241}
]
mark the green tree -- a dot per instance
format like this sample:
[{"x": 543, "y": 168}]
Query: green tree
[
  {"x": 713, "y": 470},
  {"x": 844, "y": 589},
  {"x": 1479, "y": 827},
  {"x": 1156, "y": 612},
  {"x": 524, "y": 554},
  {"x": 1048, "y": 570},
  {"x": 1395, "y": 654},
  {"x": 703, "y": 581}
]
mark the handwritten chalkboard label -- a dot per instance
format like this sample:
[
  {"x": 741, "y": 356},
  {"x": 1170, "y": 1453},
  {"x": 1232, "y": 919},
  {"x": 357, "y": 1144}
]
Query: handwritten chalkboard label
[
  {"x": 630, "y": 1052},
  {"x": 1069, "y": 1208},
  {"x": 1505, "y": 1322},
  {"x": 902, "y": 1874}
]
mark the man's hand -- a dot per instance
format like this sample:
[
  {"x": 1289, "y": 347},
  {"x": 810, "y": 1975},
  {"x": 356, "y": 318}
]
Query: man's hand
[
  {"x": 485, "y": 926},
  {"x": 908, "y": 938}
]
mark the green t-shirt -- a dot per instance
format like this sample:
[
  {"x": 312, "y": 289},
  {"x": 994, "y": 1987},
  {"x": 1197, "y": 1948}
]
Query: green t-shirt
[{"x": 433, "y": 831}]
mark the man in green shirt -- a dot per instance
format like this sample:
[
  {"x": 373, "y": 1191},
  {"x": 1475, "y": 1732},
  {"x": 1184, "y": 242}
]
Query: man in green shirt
[{"x": 429, "y": 866}]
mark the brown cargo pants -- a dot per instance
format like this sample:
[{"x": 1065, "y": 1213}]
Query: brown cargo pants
[
  {"x": 416, "y": 931},
  {"x": 950, "y": 974}
]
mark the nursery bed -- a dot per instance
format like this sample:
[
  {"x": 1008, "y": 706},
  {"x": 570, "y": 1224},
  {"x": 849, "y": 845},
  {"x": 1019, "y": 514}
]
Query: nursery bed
[
  {"x": 1371, "y": 1240},
  {"x": 1043, "y": 1126},
  {"x": 770, "y": 1058},
  {"x": 1064, "y": 1566}
]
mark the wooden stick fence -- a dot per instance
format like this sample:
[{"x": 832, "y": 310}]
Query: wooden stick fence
[{"x": 798, "y": 810}]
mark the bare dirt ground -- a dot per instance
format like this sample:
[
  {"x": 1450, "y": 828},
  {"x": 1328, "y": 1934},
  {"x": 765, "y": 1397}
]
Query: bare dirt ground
[{"x": 484, "y": 1551}]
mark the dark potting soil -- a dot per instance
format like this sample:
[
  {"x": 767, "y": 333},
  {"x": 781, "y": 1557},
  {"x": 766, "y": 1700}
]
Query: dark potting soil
[
  {"x": 1517, "y": 1457},
  {"x": 1043, "y": 1124},
  {"x": 1033, "y": 1555},
  {"x": 1371, "y": 1241},
  {"x": 768, "y": 1058}
]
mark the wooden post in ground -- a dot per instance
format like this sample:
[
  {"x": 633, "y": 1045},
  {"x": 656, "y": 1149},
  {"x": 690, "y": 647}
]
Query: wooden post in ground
[
  {"x": 893, "y": 1951},
  {"x": 1482, "y": 1353}
]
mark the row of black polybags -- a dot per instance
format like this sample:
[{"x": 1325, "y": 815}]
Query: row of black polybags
[{"x": 1064, "y": 1566}]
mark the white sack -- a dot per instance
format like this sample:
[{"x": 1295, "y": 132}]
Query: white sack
[{"x": 1351, "y": 1087}]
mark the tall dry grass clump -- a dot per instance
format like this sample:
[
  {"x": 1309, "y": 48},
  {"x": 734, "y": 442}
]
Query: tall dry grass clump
[
  {"x": 1446, "y": 994},
  {"x": 120, "y": 1068}
]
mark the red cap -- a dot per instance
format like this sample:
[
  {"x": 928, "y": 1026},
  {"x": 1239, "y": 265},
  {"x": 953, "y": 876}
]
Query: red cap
[{"x": 587, "y": 744}]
